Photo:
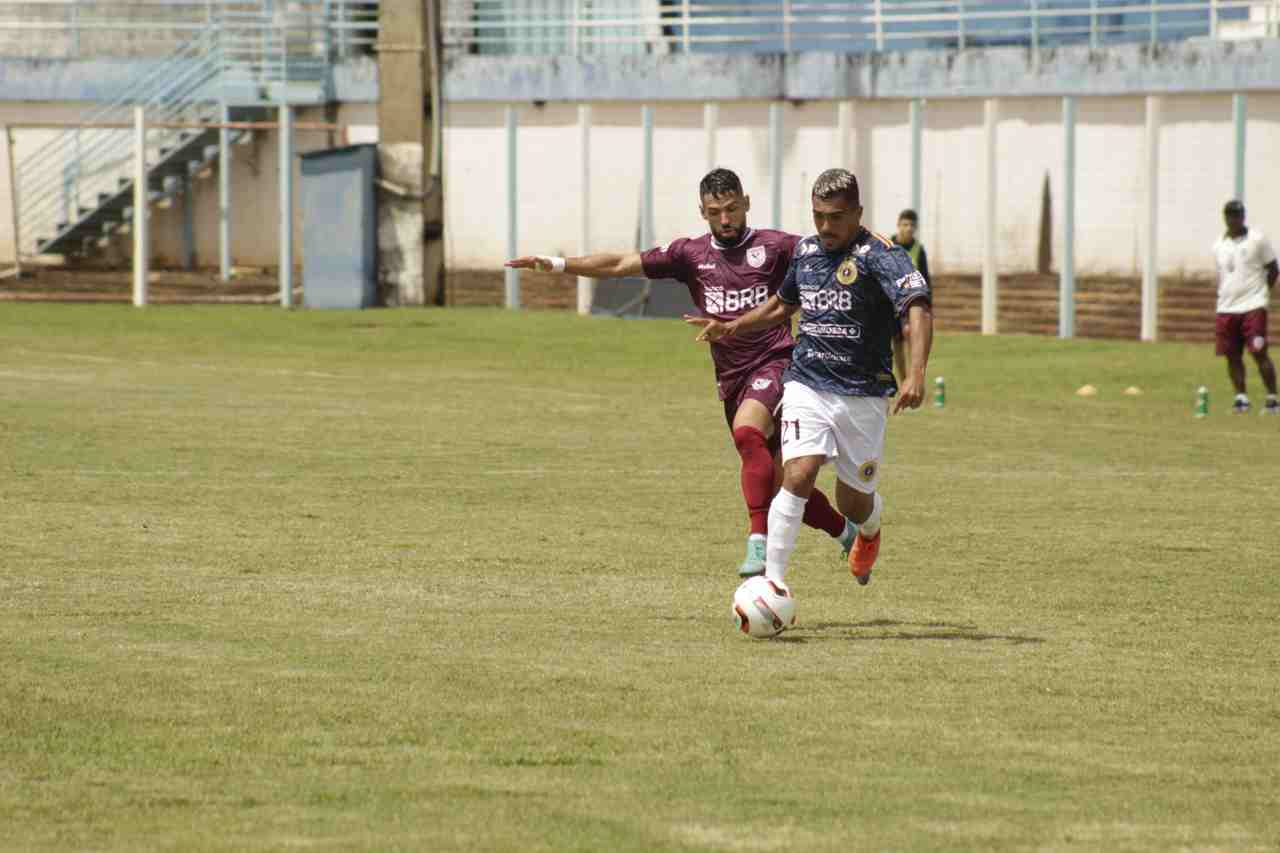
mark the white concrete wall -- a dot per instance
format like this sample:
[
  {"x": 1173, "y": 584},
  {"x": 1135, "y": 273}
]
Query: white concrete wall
[{"x": 1196, "y": 175}]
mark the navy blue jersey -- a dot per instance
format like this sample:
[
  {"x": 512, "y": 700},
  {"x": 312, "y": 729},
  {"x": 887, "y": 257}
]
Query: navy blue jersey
[{"x": 852, "y": 303}]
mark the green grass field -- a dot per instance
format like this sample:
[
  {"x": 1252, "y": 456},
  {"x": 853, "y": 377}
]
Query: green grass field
[{"x": 460, "y": 580}]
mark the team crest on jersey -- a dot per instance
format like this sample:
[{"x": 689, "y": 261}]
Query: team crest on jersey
[
  {"x": 868, "y": 471},
  {"x": 756, "y": 256},
  {"x": 847, "y": 274}
]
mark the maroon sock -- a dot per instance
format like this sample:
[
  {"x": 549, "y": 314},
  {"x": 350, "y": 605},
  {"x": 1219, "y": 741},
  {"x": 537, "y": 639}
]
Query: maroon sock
[
  {"x": 757, "y": 475},
  {"x": 819, "y": 513}
]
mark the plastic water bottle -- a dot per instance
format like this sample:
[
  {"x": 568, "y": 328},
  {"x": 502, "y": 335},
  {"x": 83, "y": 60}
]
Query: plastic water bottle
[
  {"x": 939, "y": 393},
  {"x": 1202, "y": 402}
]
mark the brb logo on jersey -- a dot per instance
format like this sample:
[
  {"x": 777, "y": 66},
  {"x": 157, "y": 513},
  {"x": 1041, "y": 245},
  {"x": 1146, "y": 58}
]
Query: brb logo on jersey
[
  {"x": 721, "y": 301},
  {"x": 826, "y": 300}
]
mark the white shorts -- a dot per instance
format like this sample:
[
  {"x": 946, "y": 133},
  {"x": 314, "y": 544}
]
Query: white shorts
[{"x": 849, "y": 430}]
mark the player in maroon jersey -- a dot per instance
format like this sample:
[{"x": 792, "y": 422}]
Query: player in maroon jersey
[{"x": 728, "y": 272}]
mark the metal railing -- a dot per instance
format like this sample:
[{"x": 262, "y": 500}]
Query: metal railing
[
  {"x": 583, "y": 27},
  {"x": 96, "y": 29},
  {"x": 246, "y": 53},
  {"x": 67, "y": 174}
]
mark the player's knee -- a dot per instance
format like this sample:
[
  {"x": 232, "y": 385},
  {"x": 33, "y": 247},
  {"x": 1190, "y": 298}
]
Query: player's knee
[
  {"x": 750, "y": 440},
  {"x": 800, "y": 475}
]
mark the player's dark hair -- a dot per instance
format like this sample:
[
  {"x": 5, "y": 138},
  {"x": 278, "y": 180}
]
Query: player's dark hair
[
  {"x": 837, "y": 182},
  {"x": 719, "y": 182},
  {"x": 910, "y": 216}
]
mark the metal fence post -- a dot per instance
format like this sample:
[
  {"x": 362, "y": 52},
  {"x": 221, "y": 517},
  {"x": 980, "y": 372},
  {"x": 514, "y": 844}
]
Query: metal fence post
[
  {"x": 844, "y": 130},
  {"x": 224, "y": 197},
  {"x": 286, "y": 206},
  {"x": 512, "y": 276},
  {"x": 990, "y": 280},
  {"x": 1240, "y": 115},
  {"x": 14, "y": 206},
  {"x": 586, "y": 286},
  {"x": 684, "y": 25},
  {"x": 775, "y": 163},
  {"x": 879, "y": 15},
  {"x": 710, "y": 126},
  {"x": 1067, "y": 270},
  {"x": 1150, "y": 273},
  {"x": 141, "y": 243},
  {"x": 646, "y": 191},
  {"x": 917, "y": 155}
]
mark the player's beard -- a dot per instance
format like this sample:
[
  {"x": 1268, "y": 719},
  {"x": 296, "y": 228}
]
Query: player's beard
[{"x": 728, "y": 236}]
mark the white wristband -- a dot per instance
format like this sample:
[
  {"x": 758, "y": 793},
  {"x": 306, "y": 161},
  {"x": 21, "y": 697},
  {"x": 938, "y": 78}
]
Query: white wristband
[{"x": 557, "y": 264}]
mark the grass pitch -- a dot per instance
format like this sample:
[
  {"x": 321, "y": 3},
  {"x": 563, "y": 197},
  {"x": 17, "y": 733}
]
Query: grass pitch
[{"x": 461, "y": 579}]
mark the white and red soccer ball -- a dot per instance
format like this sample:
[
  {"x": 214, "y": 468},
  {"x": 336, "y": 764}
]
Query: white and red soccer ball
[{"x": 763, "y": 608}]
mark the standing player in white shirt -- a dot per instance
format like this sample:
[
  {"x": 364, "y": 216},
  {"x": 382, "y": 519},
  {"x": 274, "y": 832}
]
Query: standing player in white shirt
[{"x": 1247, "y": 271}]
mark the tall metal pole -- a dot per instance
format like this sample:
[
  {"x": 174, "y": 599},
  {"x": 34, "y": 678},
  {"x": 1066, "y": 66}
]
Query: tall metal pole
[
  {"x": 224, "y": 198},
  {"x": 513, "y": 242},
  {"x": 13, "y": 203},
  {"x": 711, "y": 126},
  {"x": 844, "y": 133},
  {"x": 990, "y": 109},
  {"x": 286, "y": 206},
  {"x": 188, "y": 222},
  {"x": 646, "y": 192},
  {"x": 141, "y": 243},
  {"x": 1150, "y": 273},
  {"x": 916, "y": 153},
  {"x": 775, "y": 162},
  {"x": 1067, "y": 270},
  {"x": 1240, "y": 115},
  {"x": 586, "y": 286}
]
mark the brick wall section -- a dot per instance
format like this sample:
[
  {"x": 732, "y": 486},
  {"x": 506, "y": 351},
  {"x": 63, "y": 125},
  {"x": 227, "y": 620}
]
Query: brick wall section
[{"x": 1105, "y": 307}]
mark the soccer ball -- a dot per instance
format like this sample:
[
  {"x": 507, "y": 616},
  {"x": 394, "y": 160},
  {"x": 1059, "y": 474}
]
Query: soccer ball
[{"x": 763, "y": 608}]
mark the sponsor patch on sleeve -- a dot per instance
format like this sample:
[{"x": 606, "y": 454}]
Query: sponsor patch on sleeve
[{"x": 911, "y": 281}]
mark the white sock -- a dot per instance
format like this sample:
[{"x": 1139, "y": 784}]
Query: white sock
[
  {"x": 785, "y": 516},
  {"x": 871, "y": 526}
]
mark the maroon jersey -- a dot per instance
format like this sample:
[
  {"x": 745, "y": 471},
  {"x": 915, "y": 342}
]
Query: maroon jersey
[{"x": 727, "y": 282}]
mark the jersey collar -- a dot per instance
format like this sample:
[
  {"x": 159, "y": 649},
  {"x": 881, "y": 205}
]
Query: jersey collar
[{"x": 746, "y": 235}]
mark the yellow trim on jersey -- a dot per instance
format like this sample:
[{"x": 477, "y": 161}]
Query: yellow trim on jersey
[{"x": 887, "y": 243}]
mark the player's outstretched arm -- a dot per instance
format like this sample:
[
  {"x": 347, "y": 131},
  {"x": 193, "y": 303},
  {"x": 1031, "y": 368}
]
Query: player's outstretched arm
[
  {"x": 920, "y": 321},
  {"x": 590, "y": 266},
  {"x": 766, "y": 316}
]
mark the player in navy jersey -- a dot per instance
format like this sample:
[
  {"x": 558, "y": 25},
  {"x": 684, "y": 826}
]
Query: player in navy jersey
[
  {"x": 854, "y": 290},
  {"x": 729, "y": 271}
]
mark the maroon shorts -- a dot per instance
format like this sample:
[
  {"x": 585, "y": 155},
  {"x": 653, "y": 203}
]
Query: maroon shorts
[
  {"x": 1238, "y": 332},
  {"x": 764, "y": 384}
]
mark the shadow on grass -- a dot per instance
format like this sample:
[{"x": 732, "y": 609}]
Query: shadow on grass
[{"x": 890, "y": 629}]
